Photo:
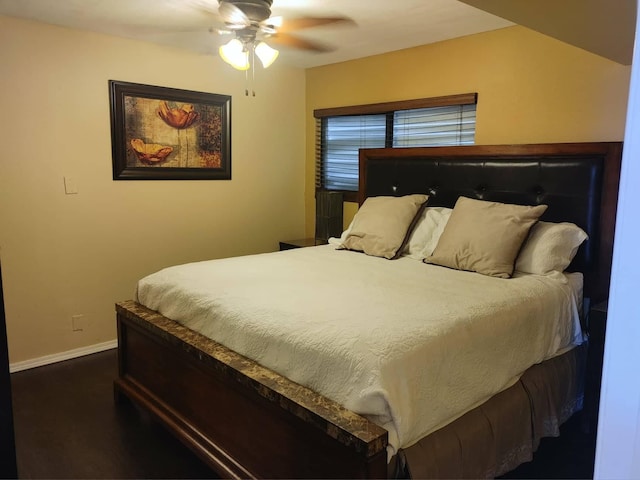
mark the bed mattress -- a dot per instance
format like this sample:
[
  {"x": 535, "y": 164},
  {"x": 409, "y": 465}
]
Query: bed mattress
[{"x": 410, "y": 346}]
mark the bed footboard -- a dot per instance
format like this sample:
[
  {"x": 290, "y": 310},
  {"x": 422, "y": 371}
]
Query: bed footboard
[{"x": 242, "y": 419}]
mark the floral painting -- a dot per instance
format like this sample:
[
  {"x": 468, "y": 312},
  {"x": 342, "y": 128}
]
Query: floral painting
[{"x": 165, "y": 133}]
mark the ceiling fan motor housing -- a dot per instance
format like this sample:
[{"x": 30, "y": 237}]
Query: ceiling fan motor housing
[{"x": 256, "y": 10}]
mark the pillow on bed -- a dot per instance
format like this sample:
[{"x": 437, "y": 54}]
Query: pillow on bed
[
  {"x": 339, "y": 240},
  {"x": 484, "y": 237},
  {"x": 425, "y": 235},
  {"x": 383, "y": 224},
  {"x": 550, "y": 247}
]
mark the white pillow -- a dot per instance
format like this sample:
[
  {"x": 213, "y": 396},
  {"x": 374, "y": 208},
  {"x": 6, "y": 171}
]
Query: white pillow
[
  {"x": 425, "y": 235},
  {"x": 339, "y": 240},
  {"x": 550, "y": 247}
]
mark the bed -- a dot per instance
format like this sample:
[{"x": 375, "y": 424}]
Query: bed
[{"x": 245, "y": 420}]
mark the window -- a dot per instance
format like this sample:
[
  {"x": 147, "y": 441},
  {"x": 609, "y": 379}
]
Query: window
[{"x": 342, "y": 131}]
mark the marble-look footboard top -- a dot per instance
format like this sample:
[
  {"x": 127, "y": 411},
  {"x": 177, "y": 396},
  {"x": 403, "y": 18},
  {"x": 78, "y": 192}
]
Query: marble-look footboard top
[{"x": 349, "y": 428}]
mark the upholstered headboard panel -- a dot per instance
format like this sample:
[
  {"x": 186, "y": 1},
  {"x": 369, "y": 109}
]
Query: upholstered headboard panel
[{"x": 577, "y": 181}]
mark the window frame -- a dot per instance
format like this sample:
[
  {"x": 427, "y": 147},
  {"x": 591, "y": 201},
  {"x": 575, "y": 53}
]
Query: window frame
[{"x": 386, "y": 108}]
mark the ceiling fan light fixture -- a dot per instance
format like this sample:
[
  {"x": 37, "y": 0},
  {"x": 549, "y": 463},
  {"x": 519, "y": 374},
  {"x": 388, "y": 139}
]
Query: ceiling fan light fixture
[
  {"x": 266, "y": 54},
  {"x": 276, "y": 21},
  {"x": 235, "y": 54}
]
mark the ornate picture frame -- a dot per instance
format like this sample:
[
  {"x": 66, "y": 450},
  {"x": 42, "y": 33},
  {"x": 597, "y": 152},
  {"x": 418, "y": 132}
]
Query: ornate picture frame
[{"x": 161, "y": 133}]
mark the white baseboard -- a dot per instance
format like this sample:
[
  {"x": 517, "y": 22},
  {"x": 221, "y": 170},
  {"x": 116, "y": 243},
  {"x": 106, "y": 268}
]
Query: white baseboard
[{"x": 60, "y": 357}]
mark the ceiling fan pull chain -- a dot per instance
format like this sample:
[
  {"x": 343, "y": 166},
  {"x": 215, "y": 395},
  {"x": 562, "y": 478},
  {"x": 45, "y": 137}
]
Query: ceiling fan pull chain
[
  {"x": 253, "y": 70},
  {"x": 246, "y": 83}
]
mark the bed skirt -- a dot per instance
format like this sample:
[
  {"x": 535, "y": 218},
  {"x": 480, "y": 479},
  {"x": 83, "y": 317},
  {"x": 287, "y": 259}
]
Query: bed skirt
[{"x": 505, "y": 431}]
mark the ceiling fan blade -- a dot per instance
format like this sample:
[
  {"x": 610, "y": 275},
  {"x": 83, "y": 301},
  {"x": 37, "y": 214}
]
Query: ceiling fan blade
[
  {"x": 232, "y": 14},
  {"x": 287, "y": 40},
  {"x": 293, "y": 24}
]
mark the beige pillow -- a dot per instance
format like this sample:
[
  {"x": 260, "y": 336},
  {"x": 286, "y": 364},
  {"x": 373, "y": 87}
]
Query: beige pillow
[
  {"x": 382, "y": 225},
  {"x": 550, "y": 248},
  {"x": 484, "y": 237}
]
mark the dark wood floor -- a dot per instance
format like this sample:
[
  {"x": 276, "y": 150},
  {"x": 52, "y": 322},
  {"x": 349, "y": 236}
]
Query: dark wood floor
[
  {"x": 67, "y": 426},
  {"x": 571, "y": 455}
]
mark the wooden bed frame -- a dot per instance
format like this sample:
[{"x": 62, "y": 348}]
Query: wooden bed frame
[{"x": 246, "y": 421}]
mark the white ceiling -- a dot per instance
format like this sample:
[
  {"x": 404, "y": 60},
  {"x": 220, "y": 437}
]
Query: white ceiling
[
  {"x": 604, "y": 27},
  {"x": 380, "y": 25}
]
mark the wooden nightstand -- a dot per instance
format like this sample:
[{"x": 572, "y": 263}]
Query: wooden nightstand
[
  {"x": 300, "y": 243},
  {"x": 596, "y": 329}
]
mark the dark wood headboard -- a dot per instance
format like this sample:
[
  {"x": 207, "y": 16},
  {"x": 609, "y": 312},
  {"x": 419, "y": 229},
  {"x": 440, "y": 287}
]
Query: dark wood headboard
[{"x": 578, "y": 181}]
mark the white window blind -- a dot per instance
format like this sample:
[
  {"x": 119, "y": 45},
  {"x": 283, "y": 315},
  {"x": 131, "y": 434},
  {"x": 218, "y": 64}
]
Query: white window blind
[
  {"x": 438, "y": 126},
  {"x": 343, "y": 137}
]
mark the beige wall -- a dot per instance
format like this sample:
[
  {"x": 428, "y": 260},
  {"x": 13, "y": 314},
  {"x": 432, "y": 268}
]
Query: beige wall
[
  {"x": 64, "y": 255},
  {"x": 531, "y": 89}
]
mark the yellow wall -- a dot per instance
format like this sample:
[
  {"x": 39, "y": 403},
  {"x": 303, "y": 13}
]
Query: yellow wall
[
  {"x": 531, "y": 89},
  {"x": 64, "y": 255}
]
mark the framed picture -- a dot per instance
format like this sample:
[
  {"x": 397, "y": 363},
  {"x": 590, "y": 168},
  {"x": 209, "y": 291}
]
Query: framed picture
[{"x": 160, "y": 133}]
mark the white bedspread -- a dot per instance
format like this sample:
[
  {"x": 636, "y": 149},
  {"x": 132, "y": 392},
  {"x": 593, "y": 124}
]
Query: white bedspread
[{"x": 409, "y": 345}]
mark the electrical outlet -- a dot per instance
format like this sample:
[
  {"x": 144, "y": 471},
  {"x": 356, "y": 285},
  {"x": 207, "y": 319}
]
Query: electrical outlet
[{"x": 78, "y": 323}]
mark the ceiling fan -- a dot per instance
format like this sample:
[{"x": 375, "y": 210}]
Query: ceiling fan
[{"x": 251, "y": 23}]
